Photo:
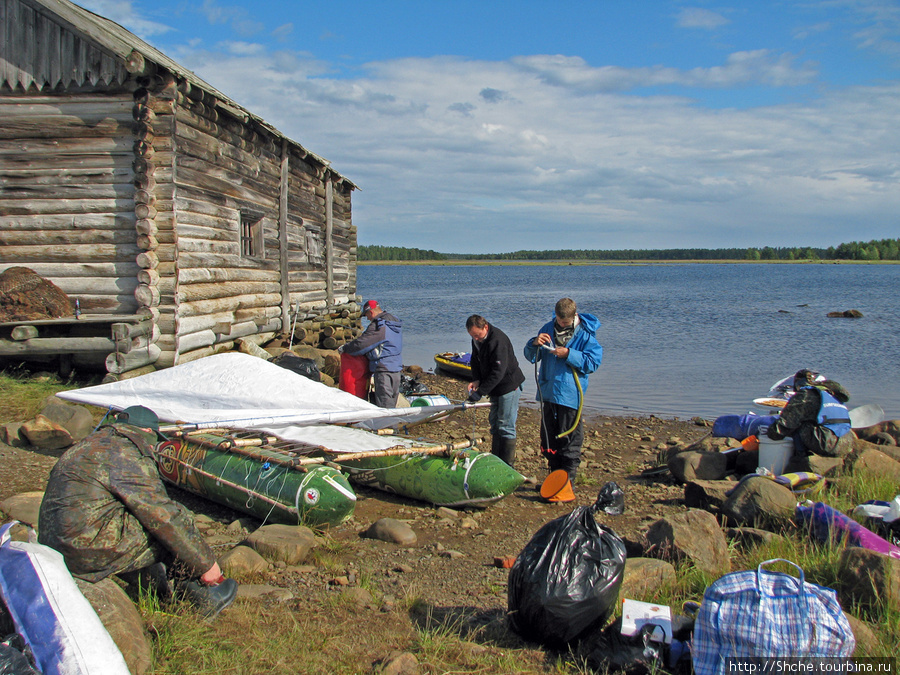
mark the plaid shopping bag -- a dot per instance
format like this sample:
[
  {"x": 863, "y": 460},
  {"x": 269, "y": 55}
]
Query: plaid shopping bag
[{"x": 764, "y": 614}]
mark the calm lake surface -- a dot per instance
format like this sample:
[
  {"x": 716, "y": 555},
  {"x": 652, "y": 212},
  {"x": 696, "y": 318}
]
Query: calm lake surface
[{"x": 678, "y": 340}]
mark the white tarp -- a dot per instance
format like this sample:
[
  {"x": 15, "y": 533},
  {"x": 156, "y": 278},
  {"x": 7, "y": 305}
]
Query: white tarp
[{"x": 239, "y": 390}]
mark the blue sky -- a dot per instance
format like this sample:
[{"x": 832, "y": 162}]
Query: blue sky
[{"x": 496, "y": 126}]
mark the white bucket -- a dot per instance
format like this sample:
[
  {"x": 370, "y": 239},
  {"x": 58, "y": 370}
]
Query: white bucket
[{"x": 774, "y": 455}]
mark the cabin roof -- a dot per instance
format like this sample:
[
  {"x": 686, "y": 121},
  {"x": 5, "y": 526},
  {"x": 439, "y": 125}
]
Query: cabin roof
[{"x": 122, "y": 43}]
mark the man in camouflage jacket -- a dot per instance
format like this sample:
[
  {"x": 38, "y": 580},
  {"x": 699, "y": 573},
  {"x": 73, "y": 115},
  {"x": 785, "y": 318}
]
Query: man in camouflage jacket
[{"x": 107, "y": 511}]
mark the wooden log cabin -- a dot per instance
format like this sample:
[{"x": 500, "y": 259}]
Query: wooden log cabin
[{"x": 179, "y": 221}]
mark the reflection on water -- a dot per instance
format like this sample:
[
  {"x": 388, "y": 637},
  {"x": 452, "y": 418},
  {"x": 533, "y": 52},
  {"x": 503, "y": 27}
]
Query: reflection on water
[{"x": 678, "y": 340}]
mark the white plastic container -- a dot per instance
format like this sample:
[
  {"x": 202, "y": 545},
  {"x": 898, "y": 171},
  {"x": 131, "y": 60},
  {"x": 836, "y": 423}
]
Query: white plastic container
[
  {"x": 774, "y": 455},
  {"x": 430, "y": 399}
]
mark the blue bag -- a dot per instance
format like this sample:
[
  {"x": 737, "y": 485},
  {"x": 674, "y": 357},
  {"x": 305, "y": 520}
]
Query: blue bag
[{"x": 767, "y": 614}]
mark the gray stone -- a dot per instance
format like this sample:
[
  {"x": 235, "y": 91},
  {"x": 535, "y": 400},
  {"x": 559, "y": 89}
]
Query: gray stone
[
  {"x": 242, "y": 561},
  {"x": 691, "y": 466},
  {"x": 748, "y": 537},
  {"x": 400, "y": 663},
  {"x": 694, "y": 535},
  {"x": 11, "y": 434},
  {"x": 869, "y": 578},
  {"x": 760, "y": 502},
  {"x": 76, "y": 419},
  {"x": 873, "y": 461},
  {"x": 445, "y": 512},
  {"x": 254, "y": 592},
  {"x": 290, "y": 543},
  {"x": 46, "y": 434},
  {"x": 706, "y": 494},
  {"x": 391, "y": 530},
  {"x": 359, "y": 597},
  {"x": 866, "y": 640},
  {"x": 643, "y": 577},
  {"x": 122, "y": 622},
  {"x": 23, "y": 507}
]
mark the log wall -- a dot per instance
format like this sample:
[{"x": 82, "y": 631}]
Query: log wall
[
  {"x": 225, "y": 169},
  {"x": 67, "y": 206}
]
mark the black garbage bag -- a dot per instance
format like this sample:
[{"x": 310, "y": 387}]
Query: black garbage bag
[
  {"x": 410, "y": 386},
  {"x": 299, "y": 365},
  {"x": 16, "y": 657},
  {"x": 566, "y": 580}
]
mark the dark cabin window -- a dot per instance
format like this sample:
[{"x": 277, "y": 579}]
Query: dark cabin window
[{"x": 251, "y": 236}]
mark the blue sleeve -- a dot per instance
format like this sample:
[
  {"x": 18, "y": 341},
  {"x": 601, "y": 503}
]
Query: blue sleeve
[
  {"x": 588, "y": 359},
  {"x": 532, "y": 352}
]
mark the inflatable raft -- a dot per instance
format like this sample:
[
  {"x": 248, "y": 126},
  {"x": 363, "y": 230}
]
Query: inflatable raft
[
  {"x": 454, "y": 363},
  {"x": 257, "y": 474},
  {"x": 464, "y": 477}
]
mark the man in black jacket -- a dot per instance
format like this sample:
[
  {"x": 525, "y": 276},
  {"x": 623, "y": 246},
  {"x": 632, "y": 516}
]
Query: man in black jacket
[{"x": 496, "y": 374}]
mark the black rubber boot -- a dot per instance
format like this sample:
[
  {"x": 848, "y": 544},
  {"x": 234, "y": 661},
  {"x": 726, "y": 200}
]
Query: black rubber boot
[
  {"x": 508, "y": 450},
  {"x": 210, "y": 600},
  {"x": 152, "y": 578},
  {"x": 504, "y": 448}
]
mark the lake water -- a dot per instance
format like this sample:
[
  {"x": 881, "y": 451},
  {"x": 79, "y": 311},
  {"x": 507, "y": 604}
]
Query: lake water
[{"x": 678, "y": 340}]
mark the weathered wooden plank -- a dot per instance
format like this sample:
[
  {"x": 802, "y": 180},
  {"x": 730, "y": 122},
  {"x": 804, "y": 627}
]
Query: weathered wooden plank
[
  {"x": 77, "y": 146},
  {"x": 74, "y": 237},
  {"x": 41, "y": 207},
  {"x": 94, "y": 107},
  {"x": 70, "y": 222},
  {"x": 222, "y": 274},
  {"x": 52, "y": 346},
  {"x": 121, "y": 363},
  {"x": 81, "y": 252},
  {"x": 64, "y": 127},
  {"x": 96, "y": 190},
  {"x": 231, "y": 303},
  {"x": 223, "y": 289}
]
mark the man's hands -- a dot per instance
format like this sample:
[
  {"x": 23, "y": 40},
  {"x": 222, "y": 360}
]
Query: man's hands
[{"x": 546, "y": 341}]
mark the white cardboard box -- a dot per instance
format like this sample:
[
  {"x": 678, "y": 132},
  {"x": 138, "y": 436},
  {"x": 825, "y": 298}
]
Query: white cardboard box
[{"x": 635, "y": 614}]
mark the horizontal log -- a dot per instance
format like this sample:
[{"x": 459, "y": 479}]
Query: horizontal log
[
  {"x": 93, "y": 107},
  {"x": 69, "y": 222},
  {"x": 56, "y": 346},
  {"x": 147, "y": 296},
  {"x": 121, "y": 363},
  {"x": 69, "y": 207},
  {"x": 126, "y": 331},
  {"x": 76, "y": 286},
  {"x": 190, "y": 341},
  {"x": 224, "y": 289},
  {"x": 231, "y": 303},
  {"x": 65, "y": 127},
  {"x": 199, "y": 275},
  {"x": 137, "y": 372},
  {"x": 233, "y": 331}
]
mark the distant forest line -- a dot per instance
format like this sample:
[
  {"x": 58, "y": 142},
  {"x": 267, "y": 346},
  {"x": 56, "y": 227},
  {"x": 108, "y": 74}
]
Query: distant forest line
[{"x": 883, "y": 249}]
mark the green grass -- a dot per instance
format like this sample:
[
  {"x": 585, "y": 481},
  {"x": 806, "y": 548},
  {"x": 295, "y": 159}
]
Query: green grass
[{"x": 23, "y": 395}]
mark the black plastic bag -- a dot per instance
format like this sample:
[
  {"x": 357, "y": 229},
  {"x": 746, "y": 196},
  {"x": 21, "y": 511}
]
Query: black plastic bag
[
  {"x": 566, "y": 580},
  {"x": 299, "y": 365},
  {"x": 410, "y": 386},
  {"x": 16, "y": 657}
]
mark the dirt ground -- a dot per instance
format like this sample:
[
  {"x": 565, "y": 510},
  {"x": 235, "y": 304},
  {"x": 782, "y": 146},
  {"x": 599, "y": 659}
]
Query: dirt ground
[{"x": 452, "y": 564}]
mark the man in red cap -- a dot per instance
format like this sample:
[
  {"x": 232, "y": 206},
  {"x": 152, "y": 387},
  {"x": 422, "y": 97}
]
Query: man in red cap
[{"x": 381, "y": 343}]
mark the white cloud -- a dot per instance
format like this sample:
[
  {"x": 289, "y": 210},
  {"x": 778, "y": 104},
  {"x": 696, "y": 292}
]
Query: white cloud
[
  {"x": 549, "y": 152},
  {"x": 124, "y": 14},
  {"x": 697, "y": 17}
]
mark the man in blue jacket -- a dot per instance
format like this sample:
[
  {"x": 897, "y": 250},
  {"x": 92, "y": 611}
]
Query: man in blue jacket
[
  {"x": 382, "y": 343},
  {"x": 568, "y": 351}
]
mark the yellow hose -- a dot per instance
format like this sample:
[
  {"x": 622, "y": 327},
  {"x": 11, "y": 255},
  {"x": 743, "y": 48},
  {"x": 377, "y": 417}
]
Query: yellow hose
[{"x": 580, "y": 405}]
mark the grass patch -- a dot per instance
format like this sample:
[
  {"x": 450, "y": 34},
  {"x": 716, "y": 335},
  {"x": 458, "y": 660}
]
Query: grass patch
[{"x": 23, "y": 394}]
